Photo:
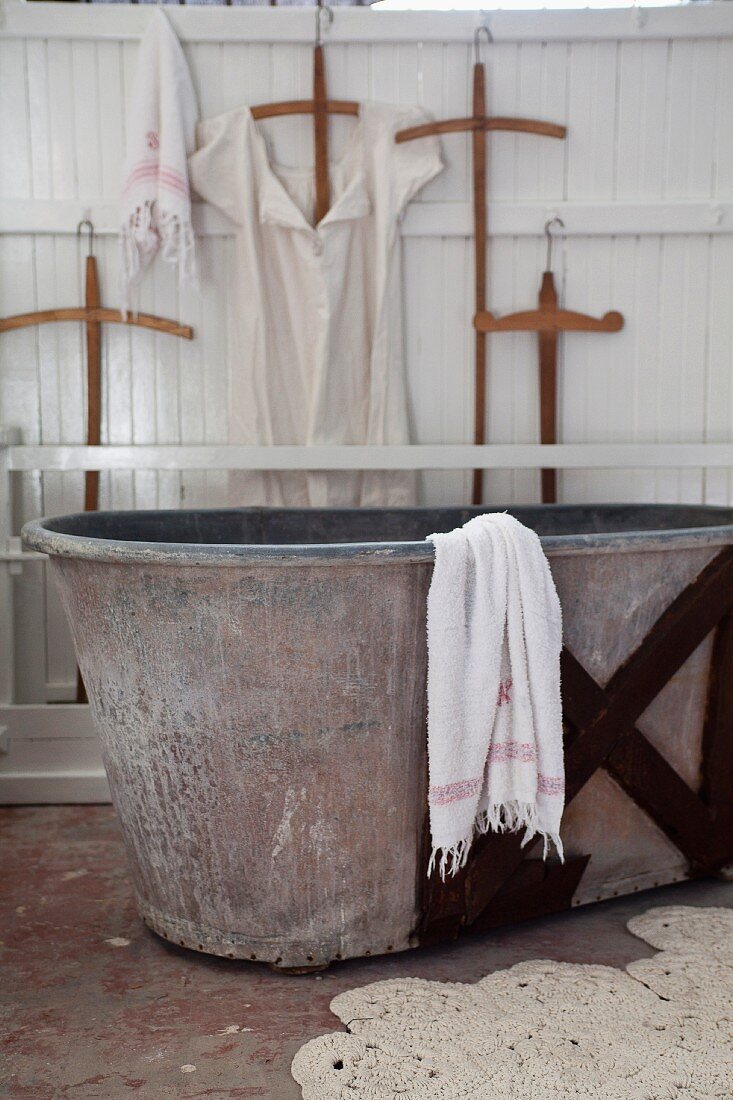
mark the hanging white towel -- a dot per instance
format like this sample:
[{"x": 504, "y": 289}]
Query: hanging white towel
[
  {"x": 161, "y": 133},
  {"x": 494, "y": 713}
]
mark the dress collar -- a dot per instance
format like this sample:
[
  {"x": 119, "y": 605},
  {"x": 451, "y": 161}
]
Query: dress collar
[{"x": 276, "y": 207}]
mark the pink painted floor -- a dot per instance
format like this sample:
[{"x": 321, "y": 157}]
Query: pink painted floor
[{"x": 95, "y": 1005}]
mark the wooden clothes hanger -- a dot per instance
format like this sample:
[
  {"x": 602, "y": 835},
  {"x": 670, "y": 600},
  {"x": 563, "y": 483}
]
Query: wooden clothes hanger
[
  {"x": 548, "y": 321},
  {"x": 479, "y": 124},
  {"x": 94, "y": 316},
  {"x": 320, "y": 107}
]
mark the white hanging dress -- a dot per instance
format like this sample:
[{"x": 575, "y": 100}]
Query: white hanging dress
[{"x": 317, "y": 310}]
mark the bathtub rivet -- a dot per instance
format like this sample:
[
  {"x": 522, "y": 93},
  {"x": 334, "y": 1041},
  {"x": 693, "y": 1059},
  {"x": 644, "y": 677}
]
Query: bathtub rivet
[
  {"x": 230, "y": 954},
  {"x": 309, "y": 958},
  {"x": 389, "y": 947},
  {"x": 339, "y": 956},
  {"x": 181, "y": 943},
  {"x": 253, "y": 957},
  {"x": 200, "y": 947},
  {"x": 279, "y": 959}
]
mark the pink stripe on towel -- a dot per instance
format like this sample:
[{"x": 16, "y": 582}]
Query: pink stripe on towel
[
  {"x": 498, "y": 754},
  {"x": 153, "y": 170},
  {"x": 454, "y": 792},
  {"x": 154, "y": 163},
  {"x": 550, "y": 784},
  {"x": 512, "y": 750}
]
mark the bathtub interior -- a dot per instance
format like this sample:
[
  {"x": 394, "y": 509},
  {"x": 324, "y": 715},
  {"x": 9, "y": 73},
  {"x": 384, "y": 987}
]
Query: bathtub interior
[{"x": 312, "y": 526}]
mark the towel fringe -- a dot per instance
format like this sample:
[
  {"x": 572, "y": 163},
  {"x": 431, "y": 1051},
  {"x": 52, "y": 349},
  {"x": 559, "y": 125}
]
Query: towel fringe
[
  {"x": 148, "y": 230},
  {"x": 503, "y": 817}
]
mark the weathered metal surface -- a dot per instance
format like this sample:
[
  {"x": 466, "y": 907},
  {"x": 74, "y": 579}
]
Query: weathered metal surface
[
  {"x": 258, "y": 679},
  {"x": 257, "y": 731}
]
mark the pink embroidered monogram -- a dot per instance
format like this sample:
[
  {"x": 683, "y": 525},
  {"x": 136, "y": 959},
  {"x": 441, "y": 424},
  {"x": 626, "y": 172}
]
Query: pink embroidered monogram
[{"x": 504, "y": 688}]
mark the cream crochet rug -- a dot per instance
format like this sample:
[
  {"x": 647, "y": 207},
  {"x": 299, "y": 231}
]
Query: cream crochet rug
[{"x": 661, "y": 1030}]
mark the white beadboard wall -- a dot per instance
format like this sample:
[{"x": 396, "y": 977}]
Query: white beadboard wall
[{"x": 650, "y": 122}]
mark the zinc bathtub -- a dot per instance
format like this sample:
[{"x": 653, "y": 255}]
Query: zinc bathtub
[{"x": 257, "y": 678}]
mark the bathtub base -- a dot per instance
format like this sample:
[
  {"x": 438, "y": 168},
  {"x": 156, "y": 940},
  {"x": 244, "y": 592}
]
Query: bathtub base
[
  {"x": 211, "y": 941},
  {"x": 282, "y": 957},
  {"x": 297, "y": 971}
]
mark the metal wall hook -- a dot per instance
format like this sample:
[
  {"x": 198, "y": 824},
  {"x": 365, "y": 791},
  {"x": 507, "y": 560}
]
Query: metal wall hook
[
  {"x": 320, "y": 9},
  {"x": 548, "y": 235},
  {"x": 485, "y": 29},
  {"x": 86, "y": 224}
]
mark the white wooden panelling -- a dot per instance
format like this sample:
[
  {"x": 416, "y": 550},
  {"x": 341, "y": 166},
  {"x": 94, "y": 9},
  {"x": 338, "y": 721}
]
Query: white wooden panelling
[
  {"x": 7, "y": 622},
  {"x": 430, "y": 218},
  {"x": 50, "y": 754},
  {"x": 644, "y": 183}
]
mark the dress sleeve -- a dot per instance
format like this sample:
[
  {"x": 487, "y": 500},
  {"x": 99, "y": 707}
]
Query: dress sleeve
[
  {"x": 215, "y": 171},
  {"x": 415, "y": 162}
]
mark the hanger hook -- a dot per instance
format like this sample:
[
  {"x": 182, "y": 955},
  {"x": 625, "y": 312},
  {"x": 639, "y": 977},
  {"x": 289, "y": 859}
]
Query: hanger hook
[
  {"x": 86, "y": 224},
  {"x": 320, "y": 8},
  {"x": 548, "y": 235},
  {"x": 485, "y": 29}
]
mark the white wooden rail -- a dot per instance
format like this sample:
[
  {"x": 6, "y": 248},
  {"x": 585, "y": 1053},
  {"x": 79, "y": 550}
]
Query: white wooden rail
[
  {"x": 438, "y": 456},
  {"x": 262, "y": 24},
  {"x": 424, "y": 219},
  {"x": 18, "y": 458}
]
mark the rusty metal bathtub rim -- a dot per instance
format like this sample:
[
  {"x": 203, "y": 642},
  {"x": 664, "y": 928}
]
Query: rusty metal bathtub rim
[{"x": 39, "y": 535}]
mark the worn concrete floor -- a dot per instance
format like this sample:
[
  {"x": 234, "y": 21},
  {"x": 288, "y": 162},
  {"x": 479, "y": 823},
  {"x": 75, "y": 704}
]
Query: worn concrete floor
[{"x": 95, "y": 1005}]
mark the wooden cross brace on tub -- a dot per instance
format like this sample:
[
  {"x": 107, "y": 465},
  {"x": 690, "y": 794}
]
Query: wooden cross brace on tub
[{"x": 499, "y": 884}]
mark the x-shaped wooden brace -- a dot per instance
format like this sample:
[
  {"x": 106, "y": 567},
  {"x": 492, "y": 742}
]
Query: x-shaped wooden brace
[{"x": 601, "y": 731}]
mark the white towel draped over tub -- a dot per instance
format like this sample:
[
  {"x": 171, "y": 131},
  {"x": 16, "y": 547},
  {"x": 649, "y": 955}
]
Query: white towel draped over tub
[
  {"x": 161, "y": 132},
  {"x": 495, "y": 745}
]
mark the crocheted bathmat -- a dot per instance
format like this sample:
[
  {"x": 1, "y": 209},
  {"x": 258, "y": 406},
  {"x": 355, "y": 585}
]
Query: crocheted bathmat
[{"x": 660, "y": 1030}]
